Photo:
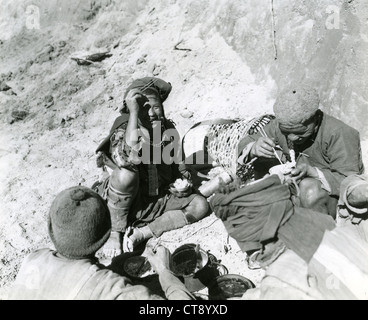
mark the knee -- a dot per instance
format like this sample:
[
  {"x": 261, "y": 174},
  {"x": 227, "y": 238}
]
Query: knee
[
  {"x": 197, "y": 209},
  {"x": 311, "y": 192},
  {"x": 124, "y": 180}
]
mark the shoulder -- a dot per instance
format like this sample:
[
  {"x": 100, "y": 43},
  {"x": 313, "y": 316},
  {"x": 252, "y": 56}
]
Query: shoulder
[
  {"x": 119, "y": 121},
  {"x": 337, "y": 126},
  {"x": 170, "y": 124},
  {"x": 112, "y": 286},
  {"x": 39, "y": 254}
]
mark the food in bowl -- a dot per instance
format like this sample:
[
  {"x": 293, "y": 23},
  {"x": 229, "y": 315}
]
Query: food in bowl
[
  {"x": 181, "y": 185},
  {"x": 138, "y": 267}
]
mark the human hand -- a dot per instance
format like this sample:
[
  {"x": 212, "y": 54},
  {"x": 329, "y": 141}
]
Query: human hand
[
  {"x": 303, "y": 170},
  {"x": 263, "y": 147},
  {"x": 134, "y": 100},
  {"x": 160, "y": 259}
]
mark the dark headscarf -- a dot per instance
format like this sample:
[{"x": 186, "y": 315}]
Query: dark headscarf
[{"x": 162, "y": 88}]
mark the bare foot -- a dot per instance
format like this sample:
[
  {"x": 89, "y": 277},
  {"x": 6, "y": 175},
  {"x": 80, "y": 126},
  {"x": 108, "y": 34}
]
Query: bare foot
[{"x": 113, "y": 246}]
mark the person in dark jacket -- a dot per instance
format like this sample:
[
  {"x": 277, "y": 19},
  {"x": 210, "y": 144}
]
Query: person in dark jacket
[
  {"x": 143, "y": 152},
  {"x": 326, "y": 149}
]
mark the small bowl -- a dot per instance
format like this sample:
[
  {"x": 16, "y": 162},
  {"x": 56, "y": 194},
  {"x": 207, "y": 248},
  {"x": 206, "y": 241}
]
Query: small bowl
[
  {"x": 229, "y": 286},
  {"x": 138, "y": 267}
]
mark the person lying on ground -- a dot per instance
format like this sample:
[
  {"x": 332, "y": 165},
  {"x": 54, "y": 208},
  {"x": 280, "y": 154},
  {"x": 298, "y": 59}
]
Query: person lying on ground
[
  {"x": 326, "y": 149},
  {"x": 79, "y": 224},
  {"x": 140, "y": 194}
]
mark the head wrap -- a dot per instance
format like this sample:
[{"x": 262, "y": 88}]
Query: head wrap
[{"x": 156, "y": 85}]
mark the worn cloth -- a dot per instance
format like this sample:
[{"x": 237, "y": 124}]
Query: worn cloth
[
  {"x": 46, "y": 276},
  {"x": 335, "y": 150},
  {"x": 162, "y": 88},
  {"x": 263, "y": 211},
  {"x": 253, "y": 214},
  {"x": 79, "y": 222},
  {"x": 304, "y": 231},
  {"x": 285, "y": 279}
]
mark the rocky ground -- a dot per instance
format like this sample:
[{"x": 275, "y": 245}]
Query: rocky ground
[{"x": 55, "y": 109}]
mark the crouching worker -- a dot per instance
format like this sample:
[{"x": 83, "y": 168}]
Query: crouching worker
[
  {"x": 326, "y": 149},
  {"x": 79, "y": 224},
  {"x": 142, "y": 150}
]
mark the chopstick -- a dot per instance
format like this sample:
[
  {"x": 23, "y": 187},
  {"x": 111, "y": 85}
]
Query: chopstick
[
  {"x": 154, "y": 249},
  {"x": 264, "y": 134}
]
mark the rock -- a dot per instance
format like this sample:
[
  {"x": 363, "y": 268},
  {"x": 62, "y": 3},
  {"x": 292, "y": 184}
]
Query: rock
[
  {"x": 71, "y": 116},
  {"x": 141, "y": 60},
  {"x": 48, "y": 49},
  {"x": 49, "y": 101},
  {"x": 45, "y": 55},
  {"x": 19, "y": 115},
  {"x": 62, "y": 44},
  {"x": 29, "y": 64},
  {"x": 101, "y": 72},
  {"x": 90, "y": 59},
  {"x": 82, "y": 62},
  {"x": 187, "y": 114},
  {"x": 108, "y": 97},
  {"x": 156, "y": 70},
  {"x": 98, "y": 56},
  {"x": 4, "y": 86}
]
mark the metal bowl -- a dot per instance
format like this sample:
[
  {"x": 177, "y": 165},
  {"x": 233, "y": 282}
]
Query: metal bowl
[{"x": 229, "y": 286}]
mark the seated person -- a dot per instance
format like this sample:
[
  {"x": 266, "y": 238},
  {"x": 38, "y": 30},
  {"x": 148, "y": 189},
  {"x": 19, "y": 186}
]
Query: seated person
[
  {"x": 326, "y": 149},
  {"x": 79, "y": 224},
  {"x": 142, "y": 151}
]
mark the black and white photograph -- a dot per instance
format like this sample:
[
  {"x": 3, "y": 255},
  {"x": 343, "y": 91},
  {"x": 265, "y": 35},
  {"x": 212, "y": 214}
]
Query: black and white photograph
[{"x": 197, "y": 151}]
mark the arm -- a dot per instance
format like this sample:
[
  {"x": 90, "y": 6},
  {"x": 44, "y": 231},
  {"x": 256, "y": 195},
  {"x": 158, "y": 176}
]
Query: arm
[
  {"x": 344, "y": 153},
  {"x": 133, "y": 100},
  {"x": 174, "y": 289},
  {"x": 255, "y": 145}
]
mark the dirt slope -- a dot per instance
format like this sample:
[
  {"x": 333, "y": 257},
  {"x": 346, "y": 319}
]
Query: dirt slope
[{"x": 218, "y": 55}]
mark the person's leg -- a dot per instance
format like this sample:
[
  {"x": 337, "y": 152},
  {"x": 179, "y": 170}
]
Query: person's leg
[
  {"x": 122, "y": 189},
  {"x": 172, "y": 219},
  {"x": 312, "y": 196}
]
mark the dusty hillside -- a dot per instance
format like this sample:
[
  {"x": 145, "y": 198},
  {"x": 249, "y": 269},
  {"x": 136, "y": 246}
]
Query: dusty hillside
[{"x": 218, "y": 55}]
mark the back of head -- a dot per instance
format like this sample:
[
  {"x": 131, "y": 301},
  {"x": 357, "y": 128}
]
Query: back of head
[
  {"x": 79, "y": 222},
  {"x": 296, "y": 105}
]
